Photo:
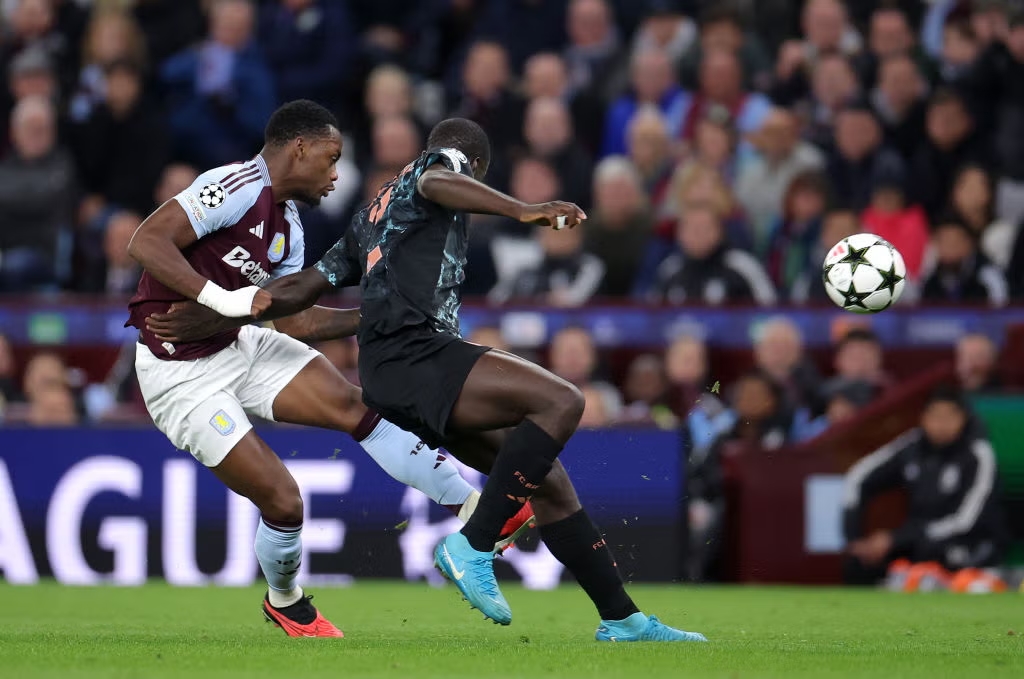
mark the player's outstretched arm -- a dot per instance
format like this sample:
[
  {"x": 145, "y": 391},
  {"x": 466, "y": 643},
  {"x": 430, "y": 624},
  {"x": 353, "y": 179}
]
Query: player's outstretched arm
[
  {"x": 456, "y": 191},
  {"x": 292, "y": 310},
  {"x": 157, "y": 246}
]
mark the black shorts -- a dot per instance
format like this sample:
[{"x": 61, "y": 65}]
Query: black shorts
[{"x": 414, "y": 377}]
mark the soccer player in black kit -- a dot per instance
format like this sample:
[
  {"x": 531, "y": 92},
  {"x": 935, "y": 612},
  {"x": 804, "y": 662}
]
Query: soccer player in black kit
[{"x": 494, "y": 411}]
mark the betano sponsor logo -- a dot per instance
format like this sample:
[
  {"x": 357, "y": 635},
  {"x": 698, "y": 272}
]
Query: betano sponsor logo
[{"x": 241, "y": 259}]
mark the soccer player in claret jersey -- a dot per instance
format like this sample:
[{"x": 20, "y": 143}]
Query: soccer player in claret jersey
[
  {"x": 492, "y": 410},
  {"x": 217, "y": 242}
]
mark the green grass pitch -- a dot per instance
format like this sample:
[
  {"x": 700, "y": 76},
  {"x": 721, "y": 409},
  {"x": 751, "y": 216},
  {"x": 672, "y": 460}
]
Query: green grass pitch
[{"x": 414, "y": 631}]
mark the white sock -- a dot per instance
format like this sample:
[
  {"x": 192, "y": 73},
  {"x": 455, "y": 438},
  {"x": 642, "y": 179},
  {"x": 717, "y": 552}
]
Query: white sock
[
  {"x": 469, "y": 506},
  {"x": 279, "y": 551},
  {"x": 408, "y": 460}
]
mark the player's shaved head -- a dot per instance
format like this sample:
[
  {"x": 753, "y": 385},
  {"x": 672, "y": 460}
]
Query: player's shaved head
[
  {"x": 300, "y": 118},
  {"x": 466, "y": 136}
]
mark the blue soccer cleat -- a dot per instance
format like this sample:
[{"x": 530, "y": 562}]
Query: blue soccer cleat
[
  {"x": 639, "y": 627},
  {"x": 473, "y": 573}
]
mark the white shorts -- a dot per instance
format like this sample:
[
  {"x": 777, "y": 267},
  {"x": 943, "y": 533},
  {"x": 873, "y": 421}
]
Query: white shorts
[{"x": 202, "y": 406}]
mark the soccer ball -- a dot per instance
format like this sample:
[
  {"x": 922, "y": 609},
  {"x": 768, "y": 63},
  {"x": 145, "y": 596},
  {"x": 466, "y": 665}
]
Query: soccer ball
[{"x": 864, "y": 274}]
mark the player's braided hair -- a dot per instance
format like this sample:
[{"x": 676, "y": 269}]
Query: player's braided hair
[
  {"x": 464, "y": 135},
  {"x": 300, "y": 118}
]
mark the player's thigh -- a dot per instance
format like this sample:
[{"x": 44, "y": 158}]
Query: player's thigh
[
  {"x": 254, "y": 471},
  {"x": 502, "y": 389},
  {"x": 320, "y": 396},
  {"x": 288, "y": 381}
]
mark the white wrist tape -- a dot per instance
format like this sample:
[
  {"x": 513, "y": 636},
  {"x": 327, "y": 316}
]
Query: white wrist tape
[
  {"x": 230, "y": 303},
  {"x": 560, "y": 222}
]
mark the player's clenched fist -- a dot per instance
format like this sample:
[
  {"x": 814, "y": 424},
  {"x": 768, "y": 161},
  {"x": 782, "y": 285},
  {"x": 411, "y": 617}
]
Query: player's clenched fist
[
  {"x": 260, "y": 303},
  {"x": 556, "y": 214}
]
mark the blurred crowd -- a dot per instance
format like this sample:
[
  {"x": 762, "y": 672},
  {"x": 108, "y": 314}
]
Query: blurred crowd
[{"x": 720, "y": 148}]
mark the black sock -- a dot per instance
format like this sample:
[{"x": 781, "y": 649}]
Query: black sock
[
  {"x": 522, "y": 463},
  {"x": 576, "y": 542}
]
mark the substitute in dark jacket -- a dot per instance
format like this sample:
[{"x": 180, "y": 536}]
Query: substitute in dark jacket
[
  {"x": 962, "y": 274},
  {"x": 704, "y": 270},
  {"x": 948, "y": 469}
]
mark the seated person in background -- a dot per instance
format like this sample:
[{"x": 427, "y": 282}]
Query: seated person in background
[
  {"x": 961, "y": 273},
  {"x": 53, "y": 406},
  {"x": 790, "y": 249},
  {"x": 573, "y": 357},
  {"x": 566, "y": 276},
  {"x": 620, "y": 224},
  {"x": 976, "y": 364},
  {"x": 836, "y": 225},
  {"x": 859, "y": 359},
  {"x": 758, "y": 418},
  {"x": 687, "y": 368},
  {"x": 889, "y": 216},
  {"x": 705, "y": 270},
  {"x": 842, "y": 398},
  {"x": 646, "y": 394},
  {"x": 779, "y": 353},
  {"x": 599, "y": 410},
  {"x": 948, "y": 469}
]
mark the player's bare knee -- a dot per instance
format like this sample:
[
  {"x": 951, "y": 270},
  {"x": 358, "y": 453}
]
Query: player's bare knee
[{"x": 284, "y": 506}]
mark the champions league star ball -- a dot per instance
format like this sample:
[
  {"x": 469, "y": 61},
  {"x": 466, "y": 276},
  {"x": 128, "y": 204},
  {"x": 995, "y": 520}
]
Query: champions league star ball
[{"x": 864, "y": 274}]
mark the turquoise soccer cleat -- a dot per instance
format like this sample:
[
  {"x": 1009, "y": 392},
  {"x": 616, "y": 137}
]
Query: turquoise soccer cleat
[
  {"x": 639, "y": 627},
  {"x": 473, "y": 573}
]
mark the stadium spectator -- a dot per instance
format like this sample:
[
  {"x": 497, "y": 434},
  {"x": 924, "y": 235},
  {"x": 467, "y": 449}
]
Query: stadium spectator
[
  {"x": 779, "y": 354},
  {"x": 396, "y": 143},
  {"x": 834, "y": 86},
  {"x": 836, "y": 225},
  {"x": 899, "y": 101},
  {"x": 29, "y": 74},
  {"x": 791, "y": 251},
  {"x": 948, "y": 469},
  {"x": 52, "y": 407},
  {"x": 842, "y": 399},
  {"x": 645, "y": 392},
  {"x": 973, "y": 201},
  {"x": 111, "y": 36},
  {"x": 545, "y": 75},
  {"x": 757, "y": 419},
  {"x": 122, "y": 272},
  {"x": 44, "y": 371},
  {"x": 688, "y": 370},
  {"x": 706, "y": 270},
  {"x": 594, "y": 54},
  {"x": 487, "y": 98},
  {"x": 961, "y": 273},
  {"x": 666, "y": 27},
  {"x": 721, "y": 27},
  {"x": 651, "y": 150},
  {"x": 859, "y": 159},
  {"x": 960, "y": 49},
  {"x": 652, "y": 84},
  {"x": 106, "y": 145},
  {"x": 950, "y": 143},
  {"x": 827, "y": 31},
  {"x": 37, "y": 199},
  {"x": 859, "y": 358},
  {"x": 764, "y": 179},
  {"x": 891, "y": 217},
  {"x": 714, "y": 143},
  {"x": 310, "y": 45},
  {"x": 598, "y": 412},
  {"x": 566, "y": 276},
  {"x": 33, "y": 24},
  {"x": 174, "y": 179},
  {"x": 890, "y": 35},
  {"x": 220, "y": 93},
  {"x": 619, "y": 225},
  {"x": 721, "y": 84},
  {"x": 548, "y": 133},
  {"x": 573, "y": 357},
  {"x": 977, "y": 366}
]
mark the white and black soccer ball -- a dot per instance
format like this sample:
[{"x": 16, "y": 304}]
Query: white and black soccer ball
[
  {"x": 864, "y": 274},
  {"x": 212, "y": 196}
]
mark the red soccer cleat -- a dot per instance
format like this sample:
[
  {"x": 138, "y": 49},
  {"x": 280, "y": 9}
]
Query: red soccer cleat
[
  {"x": 515, "y": 527},
  {"x": 301, "y": 619}
]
